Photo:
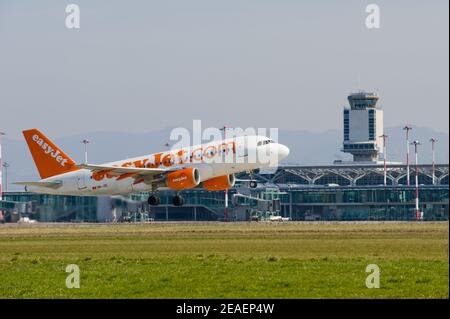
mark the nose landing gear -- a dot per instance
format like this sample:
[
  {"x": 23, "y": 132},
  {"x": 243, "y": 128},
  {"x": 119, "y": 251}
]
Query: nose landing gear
[{"x": 253, "y": 183}]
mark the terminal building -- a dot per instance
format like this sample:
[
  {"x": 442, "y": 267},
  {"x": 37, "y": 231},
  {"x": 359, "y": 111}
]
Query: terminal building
[
  {"x": 342, "y": 191},
  {"x": 346, "y": 192}
]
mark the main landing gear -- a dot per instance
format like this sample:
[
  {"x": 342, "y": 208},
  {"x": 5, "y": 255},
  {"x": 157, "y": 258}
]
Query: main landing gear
[
  {"x": 253, "y": 183},
  {"x": 178, "y": 200},
  {"x": 154, "y": 200}
]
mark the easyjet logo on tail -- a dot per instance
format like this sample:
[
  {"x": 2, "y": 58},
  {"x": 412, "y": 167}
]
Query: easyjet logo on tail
[
  {"x": 48, "y": 150},
  {"x": 50, "y": 160}
]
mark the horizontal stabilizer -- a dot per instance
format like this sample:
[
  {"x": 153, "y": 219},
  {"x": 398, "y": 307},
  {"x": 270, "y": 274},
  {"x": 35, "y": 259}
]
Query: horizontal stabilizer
[{"x": 53, "y": 185}]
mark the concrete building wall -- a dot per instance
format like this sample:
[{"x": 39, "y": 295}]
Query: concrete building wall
[{"x": 359, "y": 125}]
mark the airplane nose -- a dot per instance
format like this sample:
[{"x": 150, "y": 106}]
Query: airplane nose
[{"x": 283, "y": 151}]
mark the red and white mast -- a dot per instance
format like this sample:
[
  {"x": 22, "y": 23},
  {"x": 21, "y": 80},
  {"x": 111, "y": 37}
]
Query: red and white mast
[{"x": 416, "y": 144}]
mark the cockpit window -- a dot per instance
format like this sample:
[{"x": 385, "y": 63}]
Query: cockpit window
[{"x": 265, "y": 142}]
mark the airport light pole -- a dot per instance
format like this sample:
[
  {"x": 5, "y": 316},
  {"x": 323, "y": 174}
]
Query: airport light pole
[
  {"x": 85, "y": 142},
  {"x": 416, "y": 145},
  {"x": 6, "y": 165},
  {"x": 384, "y": 136},
  {"x": 225, "y": 210},
  {"x": 433, "y": 171},
  {"x": 407, "y": 129}
]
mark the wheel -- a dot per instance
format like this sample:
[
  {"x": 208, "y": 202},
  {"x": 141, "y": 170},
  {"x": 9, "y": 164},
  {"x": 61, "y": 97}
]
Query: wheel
[
  {"x": 178, "y": 200},
  {"x": 253, "y": 184},
  {"x": 153, "y": 200}
]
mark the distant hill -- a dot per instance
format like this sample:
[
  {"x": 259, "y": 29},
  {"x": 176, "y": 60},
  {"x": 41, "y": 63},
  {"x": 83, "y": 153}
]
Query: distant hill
[
  {"x": 307, "y": 148},
  {"x": 324, "y": 147}
]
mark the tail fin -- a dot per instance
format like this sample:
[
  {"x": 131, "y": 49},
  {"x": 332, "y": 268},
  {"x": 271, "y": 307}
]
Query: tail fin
[{"x": 49, "y": 159}]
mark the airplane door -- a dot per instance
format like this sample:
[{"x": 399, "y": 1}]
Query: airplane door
[
  {"x": 81, "y": 181},
  {"x": 242, "y": 151}
]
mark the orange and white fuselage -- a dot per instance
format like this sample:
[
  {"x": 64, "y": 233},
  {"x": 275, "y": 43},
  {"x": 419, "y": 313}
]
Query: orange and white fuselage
[{"x": 211, "y": 165}]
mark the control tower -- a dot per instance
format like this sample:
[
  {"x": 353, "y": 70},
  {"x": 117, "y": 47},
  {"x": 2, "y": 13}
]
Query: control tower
[{"x": 363, "y": 127}]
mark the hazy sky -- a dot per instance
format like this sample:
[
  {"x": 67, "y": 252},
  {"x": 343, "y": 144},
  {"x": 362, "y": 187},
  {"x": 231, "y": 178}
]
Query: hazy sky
[{"x": 145, "y": 65}]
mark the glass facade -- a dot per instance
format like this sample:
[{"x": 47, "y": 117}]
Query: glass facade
[
  {"x": 369, "y": 196},
  {"x": 380, "y": 203},
  {"x": 359, "y": 146},
  {"x": 423, "y": 179},
  {"x": 292, "y": 179},
  {"x": 373, "y": 179},
  {"x": 332, "y": 179},
  {"x": 54, "y": 208},
  {"x": 372, "y": 126},
  {"x": 346, "y": 125}
]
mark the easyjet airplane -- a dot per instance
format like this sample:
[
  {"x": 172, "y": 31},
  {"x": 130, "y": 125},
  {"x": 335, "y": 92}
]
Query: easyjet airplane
[{"x": 211, "y": 166}]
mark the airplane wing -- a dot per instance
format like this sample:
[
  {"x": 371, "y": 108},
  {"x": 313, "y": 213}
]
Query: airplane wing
[
  {"x": 53, "y": 185},
  {"x": 123, "y": 170},
  {"x": 138, "y": 173}
]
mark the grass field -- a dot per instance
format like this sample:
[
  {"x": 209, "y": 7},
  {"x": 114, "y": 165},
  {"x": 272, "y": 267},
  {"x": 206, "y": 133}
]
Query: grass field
[{"x": 225, "y": 260}]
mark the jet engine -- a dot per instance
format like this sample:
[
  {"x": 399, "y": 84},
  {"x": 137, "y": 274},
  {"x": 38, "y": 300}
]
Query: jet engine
[
  {"x": 219, "y": 183},
  {"x": 183, "y": 178}
]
